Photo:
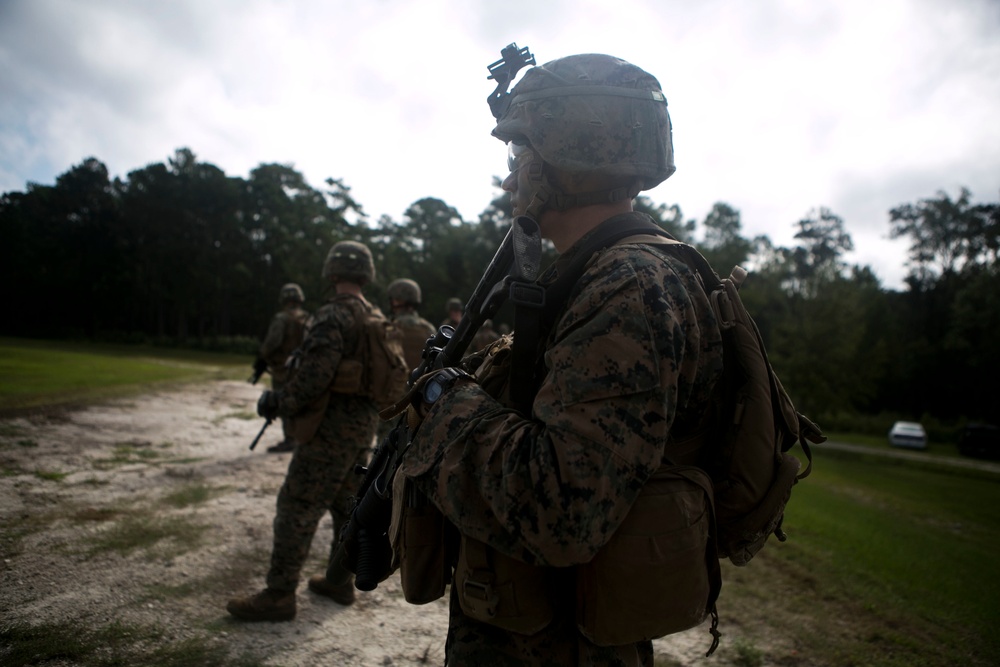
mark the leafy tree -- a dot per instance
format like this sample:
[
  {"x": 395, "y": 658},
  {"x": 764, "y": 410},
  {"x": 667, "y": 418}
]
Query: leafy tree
[
  {"x": 946, "y": 235},
  {"x": 723, "y": 246},
  {"x": 670, "y": 218},
  {"x": 818, "y": 259}
]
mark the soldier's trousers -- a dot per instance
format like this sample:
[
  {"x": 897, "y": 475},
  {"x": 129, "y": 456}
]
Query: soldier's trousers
[{"x": 313, "y": 486}]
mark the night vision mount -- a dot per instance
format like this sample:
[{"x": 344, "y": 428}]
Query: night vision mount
[{"x": 503, "y": 72}]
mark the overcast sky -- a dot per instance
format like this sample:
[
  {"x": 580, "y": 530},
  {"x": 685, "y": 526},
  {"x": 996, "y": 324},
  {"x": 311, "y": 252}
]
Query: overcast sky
[{"x": 779, "y": 107}]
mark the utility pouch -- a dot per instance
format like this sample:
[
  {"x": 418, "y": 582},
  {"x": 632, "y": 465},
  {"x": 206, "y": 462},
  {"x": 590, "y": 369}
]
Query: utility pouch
[
  {"x": 659, "y": 573},
  {"x": 502, "y": 591},
  {"x": 493, "y": 368},
  {"x": 303, "y": 426},
  {"x": 418, "y": 533},
  {"x": 348, "y": 377}
]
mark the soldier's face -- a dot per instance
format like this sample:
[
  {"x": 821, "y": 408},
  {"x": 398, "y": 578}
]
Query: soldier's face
[{"x": 518, "y": 183}]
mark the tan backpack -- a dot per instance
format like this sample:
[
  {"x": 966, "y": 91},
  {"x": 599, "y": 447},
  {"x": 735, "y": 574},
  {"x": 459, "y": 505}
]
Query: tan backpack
[
  {"x": 378, "y": 368},
  {"x": 751, "y": 470}
]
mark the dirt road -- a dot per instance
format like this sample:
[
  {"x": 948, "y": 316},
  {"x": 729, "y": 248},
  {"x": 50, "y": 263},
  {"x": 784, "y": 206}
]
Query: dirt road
[{"x": 144, "y": 516}]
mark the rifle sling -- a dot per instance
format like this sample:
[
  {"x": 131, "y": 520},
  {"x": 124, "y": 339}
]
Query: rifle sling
[{"x": 535, "y": 317}]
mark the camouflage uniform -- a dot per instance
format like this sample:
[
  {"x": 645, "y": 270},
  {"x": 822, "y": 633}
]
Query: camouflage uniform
[
  {"x": 632, "y": 358},
  {"x": 321, "y": 473},
  {"x": 416, "y": 330},
  {"x": 486, "y": 335},
  {"x": 285, "y": 333}
]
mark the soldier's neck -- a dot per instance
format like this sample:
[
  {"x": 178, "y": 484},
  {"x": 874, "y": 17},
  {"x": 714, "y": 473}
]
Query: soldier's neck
[
  {"x": 564, "y": 228},
  {"x": 353, "y": 289}
]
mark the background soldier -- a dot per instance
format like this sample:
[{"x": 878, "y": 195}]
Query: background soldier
[
  {"x": 627, "y": 363},
  {"x": 486, "y": 335},
  {"x": 454, "y": 309},
  {"x": 404, "y": 299},
  {"x": 283, "y": 335},
  {"x": 321, "y": 473}
]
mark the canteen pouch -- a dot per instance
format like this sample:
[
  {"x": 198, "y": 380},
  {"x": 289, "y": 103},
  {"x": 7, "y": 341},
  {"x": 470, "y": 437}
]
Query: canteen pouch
[
  {"x": 500, "y": 590},
  {"x": 303, "y": 426},
  {"x": 418, "y": 533},
  {"x": 659, "y": 573},
  {"x": 347, "y": 379}
]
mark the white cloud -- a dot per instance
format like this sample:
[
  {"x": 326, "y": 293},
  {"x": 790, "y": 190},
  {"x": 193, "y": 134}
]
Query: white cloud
[{"x": 779, "y": 107}]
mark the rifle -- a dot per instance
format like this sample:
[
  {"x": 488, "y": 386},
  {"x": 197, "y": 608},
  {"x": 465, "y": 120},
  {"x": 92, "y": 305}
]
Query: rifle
[
  {"x": 260, "y": 434},
  {"x": 259, "y": 367},
  {"x": 510, "y": 275}
]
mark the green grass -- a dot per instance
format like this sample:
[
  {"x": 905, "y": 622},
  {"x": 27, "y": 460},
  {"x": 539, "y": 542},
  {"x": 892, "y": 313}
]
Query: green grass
[
  {"x": 887, "y": 564},
  {"x": 169, "y": 535},
  {"x": 193, "y": 494},
  {"x": 114, "y": 645},
  {"x": 51, "y": 476},
  {"x": 41, "y": 373}
]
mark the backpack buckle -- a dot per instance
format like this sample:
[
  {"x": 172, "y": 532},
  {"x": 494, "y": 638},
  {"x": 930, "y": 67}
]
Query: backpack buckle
[
  {"x": 526, "y": 294},
  {"x": 480, "y": 598}
]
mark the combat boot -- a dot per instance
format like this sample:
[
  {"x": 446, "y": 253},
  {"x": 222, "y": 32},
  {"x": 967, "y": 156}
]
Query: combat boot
[
  {"x": 285, "y": 445},
  {"x": 268, "y": 605},
  {"x": 339, "y": 593}
]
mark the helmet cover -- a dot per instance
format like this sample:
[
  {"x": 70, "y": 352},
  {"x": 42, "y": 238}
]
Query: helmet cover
[
  {"x": 593, "y": 115},
  {"x": 350, "y": 260}
]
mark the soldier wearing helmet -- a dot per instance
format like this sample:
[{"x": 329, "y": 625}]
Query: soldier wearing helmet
[
  {"x": 627, "y": 355},
  {"x": 333, "y": 428},
  {"x": 453, "y": 312},
  {"x": 404, "y": 300},
  {"x": 284, "y": 335}
]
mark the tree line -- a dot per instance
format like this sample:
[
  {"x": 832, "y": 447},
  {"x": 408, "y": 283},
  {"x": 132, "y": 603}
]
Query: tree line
[{"x": 181, "y": 253}]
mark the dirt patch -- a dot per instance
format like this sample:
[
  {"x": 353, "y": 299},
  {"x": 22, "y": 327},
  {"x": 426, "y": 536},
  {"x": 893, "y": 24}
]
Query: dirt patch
[{"x": 151, "y": 513}]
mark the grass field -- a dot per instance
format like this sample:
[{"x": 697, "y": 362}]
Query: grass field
[
  {"x": 40, "y": 373},
  {"x": 888, "y": 562}
]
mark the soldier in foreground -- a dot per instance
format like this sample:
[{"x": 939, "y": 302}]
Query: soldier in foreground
[
  {"x": 321, "y": 475},
  {"x": 626, "y": 364},
  {"x": 283, "y": 335},
  {"x": 404, "y": 300}
]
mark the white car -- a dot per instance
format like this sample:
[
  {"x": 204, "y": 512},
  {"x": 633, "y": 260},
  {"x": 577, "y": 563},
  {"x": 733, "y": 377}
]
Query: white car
[{"x": 908, "y": 434}]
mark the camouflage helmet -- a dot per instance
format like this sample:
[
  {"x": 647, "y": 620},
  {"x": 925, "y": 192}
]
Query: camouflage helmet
[
  {"x": 350, "y": 260},
  {"x": 594, "y": 118},
  {"x": 454, "y": 303},
  {"x": 291, "y": 293},
  {"x": 405, "y": 290}
]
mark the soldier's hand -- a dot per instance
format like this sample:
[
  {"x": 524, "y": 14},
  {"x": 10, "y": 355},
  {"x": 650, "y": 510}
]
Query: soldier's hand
[
  {"x": 430, "y": 388},
  {"x": 267, "y": 405}
]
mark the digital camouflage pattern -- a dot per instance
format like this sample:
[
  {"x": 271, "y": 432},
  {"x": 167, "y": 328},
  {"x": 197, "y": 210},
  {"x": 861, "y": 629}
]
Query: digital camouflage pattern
[
  {"x": 285, "y": 333},
  {"x": 349, "y": 260},
  {"x": 321, "y": 474},
  {"x": 416, "y": 330},
  {"x": 632, "y": 360},
  {"x": 405, "y": 290},
  {"x": 593, "y": 113}
]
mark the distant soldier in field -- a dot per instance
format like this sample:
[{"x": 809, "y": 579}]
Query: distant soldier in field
[
  {"x": 404, "y": 299},
  {"x": 334, "y": 424},
  {"x": 283, "y": 336},
  {"x": 486, "y": 335},
  {"x": 454, "y": 308}
]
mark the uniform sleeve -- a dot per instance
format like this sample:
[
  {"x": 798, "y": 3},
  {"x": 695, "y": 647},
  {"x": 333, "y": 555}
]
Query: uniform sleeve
[
  {"x": 274, "y": 338},
  {"x": 320, "y": 355},
  {"x": 553, "y": 489}
]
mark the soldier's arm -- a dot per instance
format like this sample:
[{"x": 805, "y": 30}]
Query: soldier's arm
[
  {"x": 554, "y": 488},
  {"x": 273, "y": 338},
  {"x": 318, "y": 359}
]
